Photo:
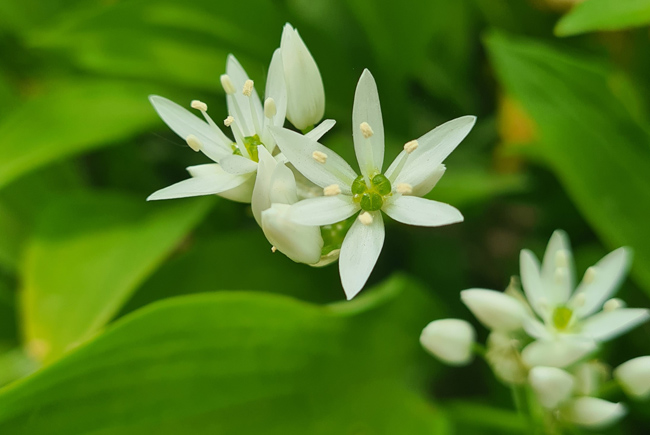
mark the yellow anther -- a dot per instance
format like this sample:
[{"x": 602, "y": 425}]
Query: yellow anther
[
  {"x": 194, "y": 142},
  {"x": 227, "y": 85},
  {"x": 228, "y": 121},
  {"x": 199, "y": 105},
  {"x": 332, "y": 190},
  {"x": 404, "y": 188},
  {"x": 319, "y": 156},
  {"x": 411, "y": 146},
  {"x": 366, "y": 130},
  {"x": 248, "y": 88},
  {"x": 365, "y": 218}
]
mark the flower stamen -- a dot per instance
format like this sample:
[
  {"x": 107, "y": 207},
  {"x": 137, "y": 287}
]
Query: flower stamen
[
  {"x": 366, "y": 130},
  {"x": 227, "y": 85},
  {"x": 411, "y": 146},
  {"x": 332, "y": 190},
  {"x": 365, "y": 218},
  {"x": 319, "y": 156},
  {"x": 404, "y": 188},
  {"x": 248, "y": 88},
  {"x": 194, "y": 142}
]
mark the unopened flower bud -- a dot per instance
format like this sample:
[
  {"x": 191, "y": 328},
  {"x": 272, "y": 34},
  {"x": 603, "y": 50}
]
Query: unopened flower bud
[
  {"x": 592, "y": 412},
  {"x": 305, "y": 92},
  {"x": 551, "y": 385},
  {"x": 301, "y": 243},
  {"x": 634, "y": 376},
  {"x": 450, "y": 340}
]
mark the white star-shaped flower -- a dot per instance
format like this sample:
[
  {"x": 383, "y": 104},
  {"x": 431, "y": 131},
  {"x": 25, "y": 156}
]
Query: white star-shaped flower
[
  {"x": 566, "y": 322},
  {"x": 396, "y": 191},
  {"x": 233, "y": 174}
]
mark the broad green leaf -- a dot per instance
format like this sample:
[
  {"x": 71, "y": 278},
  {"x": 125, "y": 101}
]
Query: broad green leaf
[
  {"x": 239, "y": 260},
  {"x": 86, "y": 256},
  {"x": 239, "y": 363},
  {"x": 594, "y": 15},
  {"x": 592, "y": 142},
  {"x": 69, "y": 118}
]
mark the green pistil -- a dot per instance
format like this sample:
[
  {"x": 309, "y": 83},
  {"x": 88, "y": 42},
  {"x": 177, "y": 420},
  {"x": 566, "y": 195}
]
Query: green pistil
[
  {"x": 561, "y": 318},
  {"x": 371, "y": 198},
  {"x": 251, "y": 143}
]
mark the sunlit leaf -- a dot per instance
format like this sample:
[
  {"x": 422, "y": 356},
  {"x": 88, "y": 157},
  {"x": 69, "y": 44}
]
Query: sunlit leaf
[
  {"x": 594, "y": 15},
  {"x": 595, "y": 145},
  {"x": 239, "y": 363},
  {"x": 86, "y": 256}
]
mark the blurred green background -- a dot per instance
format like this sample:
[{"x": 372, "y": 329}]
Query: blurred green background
[{"x": 174, "y": 317}]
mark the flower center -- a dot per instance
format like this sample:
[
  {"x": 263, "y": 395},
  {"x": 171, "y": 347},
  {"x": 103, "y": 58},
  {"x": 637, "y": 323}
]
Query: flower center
[
  {"x": 251, "y": 143},
  {"x": 562, "y": 317},
  {"x": 371, "y": 198}
]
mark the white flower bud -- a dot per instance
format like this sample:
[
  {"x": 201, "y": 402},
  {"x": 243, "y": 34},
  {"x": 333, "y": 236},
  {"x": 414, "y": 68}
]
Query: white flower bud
[
  {"x": 551, "y": 385},
  {"x": 496, "y": 310},
  {"x": 634, "y": 376},
  {"x": 301, "y": 243},
  {"x": 305, "y": 92},
  {"x": 450, "y": 340},
  {"x": 504, "y": 358},
  {"x": 592, "y": 412}
]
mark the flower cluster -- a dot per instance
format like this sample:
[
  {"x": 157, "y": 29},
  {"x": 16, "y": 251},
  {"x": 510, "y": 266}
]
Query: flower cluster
[
  {"x": 547, "y": 337},
  {"x": 311, "y": 205}
]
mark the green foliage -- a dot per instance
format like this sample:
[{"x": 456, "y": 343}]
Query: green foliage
[
  {"x": 71, "y": 117},
  {"x": 594, "y": 15},
  {"x": 588, "y": 136},
  {"x": 86, "y": 256},
  {"x": 238, "y": 363}
]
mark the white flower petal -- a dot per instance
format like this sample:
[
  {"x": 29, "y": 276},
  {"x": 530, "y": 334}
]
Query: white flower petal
[
  {"x": 317, "y": 132},
  {"x": 300, "y": 149},
  {"x": 449, "y": 340},
  {"x": 261, "y": 199},
  {"x": 551, "y": 385},
  {"x": 242, "y": 110},
  {"x": 560, "y": 352},
  {"x": 557, "y": 271},
  {"x": 606, "y": 325},
  {"x": 422, "y": 212},
  {"x": 535, "y": 328},
  {"x": 276, "y": 88},
  {"x": 369, "y": 151},
  {"x": 532, "y": 283},
  {"x": 433, "y": 148},
  {"x": 283, "y": 186},
  {"x": 426, "y": 185},
  {"x": 302, "y": 244},
  {"x": 634, "y": 376},
  {"x": 496, "y": 310},
  {"x": 184, "y": 123},
  {"x": 607, "y": 276},
  {"x": 323, "y": 210},
  {"x": 305, "y": 91},
  {"x": 240, "y": 193},
  {"x": 206, "y": 185},
  {"x": 592, "y": 412},
  {"x": 237, "y": 165},
  {"x": 359, "y": 253}
]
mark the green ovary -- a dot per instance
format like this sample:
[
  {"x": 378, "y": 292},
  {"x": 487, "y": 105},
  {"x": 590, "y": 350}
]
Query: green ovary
[
  {"x": 562, "y": 317},
  {"x": 251, "y": 143},
  {"x": 371, "y": 198}
]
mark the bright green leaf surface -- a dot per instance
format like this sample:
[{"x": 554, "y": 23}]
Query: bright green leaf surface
[
  {"x": 87, "y": 255},
  {"x": 239, "y": 363},
  {"x": 595, "y": 15},
  {"x": 70, "y": 118},
  {"x": 588, "y": 136}
]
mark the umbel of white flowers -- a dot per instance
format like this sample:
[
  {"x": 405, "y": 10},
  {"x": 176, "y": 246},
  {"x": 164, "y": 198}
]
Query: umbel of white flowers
[
  {"x": 545, "y": 338},
  {"x": 396, "y": 191}
]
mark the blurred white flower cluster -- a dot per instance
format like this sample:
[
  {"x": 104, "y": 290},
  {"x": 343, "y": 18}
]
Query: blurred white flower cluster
[
  {"x": 310, "y": 203},
  {"x": 546, "y": 338}
]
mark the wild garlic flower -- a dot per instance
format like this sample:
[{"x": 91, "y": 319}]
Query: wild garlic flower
[
  {"x": 232, "y": 176},
  {"x": 305, "y": 92},
  {"x": 395, "y": 192},
  {"x": 634, "y": 377},
  {"x": 566, "y": 322}
]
